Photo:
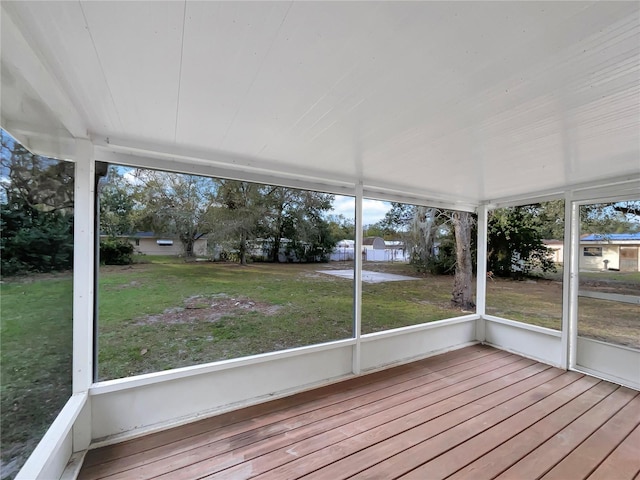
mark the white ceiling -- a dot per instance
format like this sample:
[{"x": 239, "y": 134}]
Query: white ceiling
[{"x": 455, "y": 100}]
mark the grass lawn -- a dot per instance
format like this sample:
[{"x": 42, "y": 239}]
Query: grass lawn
[
  {"x": 164, "y": 313},
  {"x": 35, "y": 362}
]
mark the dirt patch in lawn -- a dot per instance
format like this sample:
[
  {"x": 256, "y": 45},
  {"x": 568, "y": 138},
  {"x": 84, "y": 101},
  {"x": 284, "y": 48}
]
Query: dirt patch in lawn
[{"x": 201, "y": 308}]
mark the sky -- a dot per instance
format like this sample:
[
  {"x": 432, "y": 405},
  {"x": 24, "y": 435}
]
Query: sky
[{"x": 372, "y": 210}]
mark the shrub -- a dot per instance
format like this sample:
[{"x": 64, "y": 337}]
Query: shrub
[{"x": 116, "y": 251}]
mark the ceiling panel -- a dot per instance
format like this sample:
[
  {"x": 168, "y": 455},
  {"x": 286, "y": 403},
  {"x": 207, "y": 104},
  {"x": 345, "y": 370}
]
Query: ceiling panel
[
  {"x": 475, "y": 100},
  {"x": 139, "y": 47}
]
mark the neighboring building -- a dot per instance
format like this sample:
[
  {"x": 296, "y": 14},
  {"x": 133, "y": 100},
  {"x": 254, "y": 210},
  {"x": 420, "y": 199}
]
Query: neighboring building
[
  {"x": 150, "y": 243},
  {"x": 556, "y": 250},
  {"x": 614, "y": 251},
  {"x": 343, "y": 251},
  {"x": 373, "y": 249},
  {"x": 395, "y": 251}
]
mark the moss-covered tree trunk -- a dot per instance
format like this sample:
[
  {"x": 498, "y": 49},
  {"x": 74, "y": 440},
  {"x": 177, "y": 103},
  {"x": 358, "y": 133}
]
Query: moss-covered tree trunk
[{"x": 463, "y": 278}]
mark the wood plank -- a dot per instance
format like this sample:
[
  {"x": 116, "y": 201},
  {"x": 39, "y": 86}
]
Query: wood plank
[
  {"x": 446, "y": 438},
  {"x": 518, "y": 416},
  {"x": 306, "y": 401},
  {"x": 550, "y": 453},
  {"x": 403, "y": 411},
  {"x": 474, "y": 413},
  {"x": 499, "y": 459},
  {"x": 446, "y": 464},
  {"x": 241, "y": 433},
  {"x": 396, "y": 408},
  {"x": 624, "y": 461},
  {"x": 592, "y": 451},
  {"x": 352, "y": 455}
]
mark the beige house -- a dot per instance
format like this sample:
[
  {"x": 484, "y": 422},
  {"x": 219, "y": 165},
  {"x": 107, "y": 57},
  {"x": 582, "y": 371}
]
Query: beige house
[
  {"x": 615, "y": 251},
  {"x": 150, "y": 243}
]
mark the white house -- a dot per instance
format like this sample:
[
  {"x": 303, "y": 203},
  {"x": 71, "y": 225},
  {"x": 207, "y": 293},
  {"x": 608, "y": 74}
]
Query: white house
[
  {"x": 343, "y": 251},
  {"x": 613, "y": 251}
]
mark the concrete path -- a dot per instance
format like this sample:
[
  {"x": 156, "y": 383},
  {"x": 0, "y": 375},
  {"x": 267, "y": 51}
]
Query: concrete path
[{"x": 368, "y": 276}]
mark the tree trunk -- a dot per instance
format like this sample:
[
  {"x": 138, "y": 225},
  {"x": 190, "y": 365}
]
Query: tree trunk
[
  {"x": 242, "y": 251},
  {"x": 275, "y": 253},
  {"x": 188, "y": 247},
  {"x": 463, "y": 279}
]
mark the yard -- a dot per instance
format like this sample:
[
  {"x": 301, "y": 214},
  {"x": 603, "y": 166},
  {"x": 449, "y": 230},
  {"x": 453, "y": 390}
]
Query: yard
[{"x": 164, "y": 313}]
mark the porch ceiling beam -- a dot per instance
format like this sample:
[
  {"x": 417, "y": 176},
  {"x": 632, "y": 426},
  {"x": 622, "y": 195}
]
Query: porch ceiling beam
[
  {"x": 622, "y": 186},
  {"x": 212, "y": 169},
  {"x": 22, "y": 59},
  {"x": 227, "y": 165}
]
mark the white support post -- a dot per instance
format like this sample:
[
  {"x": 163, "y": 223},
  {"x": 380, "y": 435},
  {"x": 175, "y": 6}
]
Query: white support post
[
  {"x": 481, "y": 272},
  {"x": 83, "y": 284},
  {"x": 571, "y": 281},
  {"x": 357, "y": 281}
]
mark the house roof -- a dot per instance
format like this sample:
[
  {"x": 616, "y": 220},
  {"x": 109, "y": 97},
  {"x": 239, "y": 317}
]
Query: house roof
[
  {"x": 372, "y": 240},
  {"x": 462, "y": 102},
  {"x": 611, "y": 237}
]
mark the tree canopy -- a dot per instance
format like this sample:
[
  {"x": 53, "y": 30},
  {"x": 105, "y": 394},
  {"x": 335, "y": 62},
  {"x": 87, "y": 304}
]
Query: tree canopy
[
  {"x": 36, "y": 213},
  {"x": 237, "y": 217}
]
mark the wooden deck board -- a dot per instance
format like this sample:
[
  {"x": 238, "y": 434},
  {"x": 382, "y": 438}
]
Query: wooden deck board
[
  {"x": 272, "y": 415},
  {"x": 288, "y": 405},
  {"x": 591, "y": 452},
  {"x": 624, "y": 462},
  {"x": 472, "y": 413},
  {"x": 502, "y": 457}
]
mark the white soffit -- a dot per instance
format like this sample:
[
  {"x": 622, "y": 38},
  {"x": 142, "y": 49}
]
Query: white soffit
[{"x": 461, "y": 100}]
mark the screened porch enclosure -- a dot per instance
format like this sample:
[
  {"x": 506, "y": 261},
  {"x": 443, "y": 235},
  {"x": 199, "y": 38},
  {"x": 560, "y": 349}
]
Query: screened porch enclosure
[{"x": 462, "y": 106}]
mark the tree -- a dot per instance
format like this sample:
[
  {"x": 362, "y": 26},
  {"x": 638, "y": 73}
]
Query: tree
[
  {"x": 380, "y": 229},
  {"x": 36, "y": 215},
  {"x": 177, "y": 204},
  {"x": 462, "y": 296},
  {"x": 427, "y": 227},
  {"x": 309, "y": 234},
  {"x": 120, "y": 207},
  {"x": 240, "y": 213},
  {"x": 297, "y": 215},
  {"x": 514, "y": 244},
  {"x": 603, "y": 218},
  {"x": 424, "y": 230},
  {"x": 341, "y": 227}
]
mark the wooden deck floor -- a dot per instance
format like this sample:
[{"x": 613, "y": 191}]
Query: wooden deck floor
[{"x": 473, "y": 413}]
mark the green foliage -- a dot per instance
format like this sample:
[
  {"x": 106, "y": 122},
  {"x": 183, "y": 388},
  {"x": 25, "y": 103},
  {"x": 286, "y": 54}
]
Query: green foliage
[
  {"x": 444, "y": 261},
  {"x": 36, "y": 214},
  {"x": 515, "y": 245},
  {"x": 34, "y": 240},
  {"x": 341, "y": 228},
  {"x": 120, "y": 210},
  {"x": 380, "y": 229},
  {"x": 176, "y": 204},
  {"x": 116, "y": 251},
  {"x": 604, "y": 218}
]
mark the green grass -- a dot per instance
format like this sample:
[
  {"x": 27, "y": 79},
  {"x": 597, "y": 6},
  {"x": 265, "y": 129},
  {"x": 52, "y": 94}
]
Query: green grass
[
  {"x": 313, "y": 308},
  {"x": 35, "y": 362}
]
